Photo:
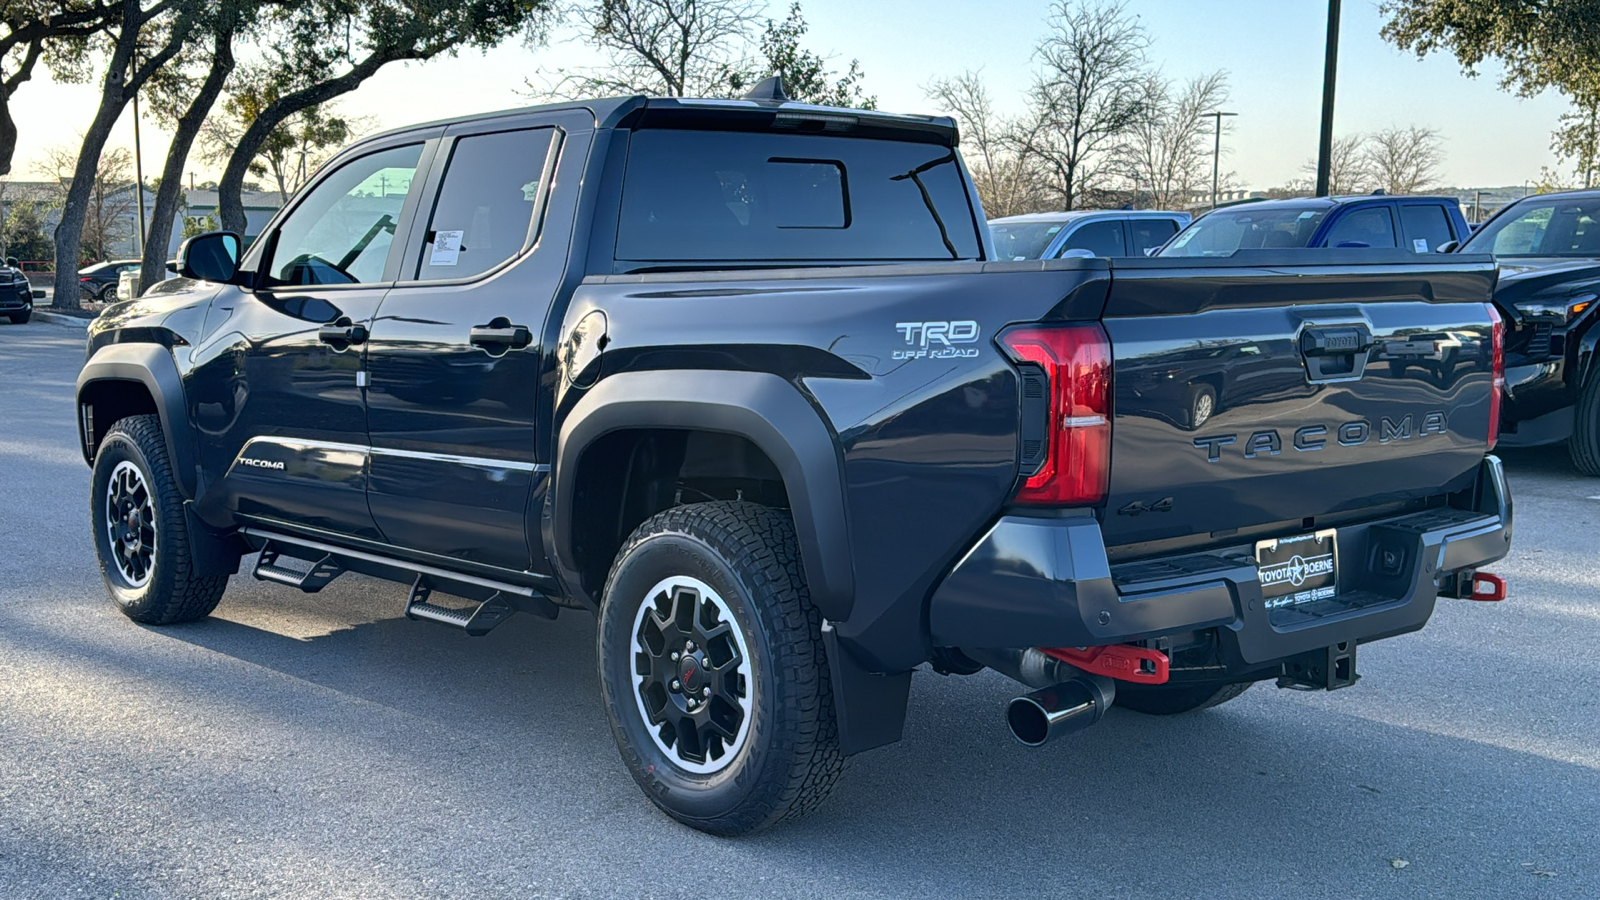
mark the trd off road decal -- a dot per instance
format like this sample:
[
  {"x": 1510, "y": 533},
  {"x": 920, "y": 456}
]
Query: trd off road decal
[{"x": 937, "y": 340}]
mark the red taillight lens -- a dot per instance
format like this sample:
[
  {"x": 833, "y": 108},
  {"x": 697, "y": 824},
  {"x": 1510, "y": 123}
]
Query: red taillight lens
[
  {"x": 1076, "y": 360},
  {"x": 1497, "y": 338}
]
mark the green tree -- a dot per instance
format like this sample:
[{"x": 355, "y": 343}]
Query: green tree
[
  {"x": 23, "y": 235},
  {"x": 31, "y": 30},
  {"x": 806, "y": 76},
  {"x": 317, "y": 50},
  {"x": 1541, "y": 44}
]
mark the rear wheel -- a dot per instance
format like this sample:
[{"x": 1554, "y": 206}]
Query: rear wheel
[
  {"x": 712, "y": 666},
  {"x": 1584, "y": 445},
  {"x": 1202, "y": 404},
  {"x": 1172, "y": 699},
  {"x": 140, "y": 532},
  {"x": 108, "y": 294}
]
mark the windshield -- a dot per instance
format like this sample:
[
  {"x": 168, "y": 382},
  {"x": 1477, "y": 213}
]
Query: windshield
[
  {"x": 1555, "y": 227},
  {"x": 1223, "y": 231},
  {"x": 1022, "y": 240}
]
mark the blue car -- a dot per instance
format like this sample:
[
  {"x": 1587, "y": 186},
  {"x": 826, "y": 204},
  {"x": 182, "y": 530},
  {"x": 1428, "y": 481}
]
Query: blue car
[
  {"x": 1111, "y": 232},
  {"x": 1419, "y": 224}
]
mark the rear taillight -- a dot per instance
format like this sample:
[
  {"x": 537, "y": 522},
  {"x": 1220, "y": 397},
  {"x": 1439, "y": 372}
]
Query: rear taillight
[
  {"x": 1075, "y": 363},
  {"x": 1497, "y": 338}
]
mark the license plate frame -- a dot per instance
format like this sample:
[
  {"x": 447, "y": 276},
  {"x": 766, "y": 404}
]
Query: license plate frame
[{"x": 1298, "y": 569}]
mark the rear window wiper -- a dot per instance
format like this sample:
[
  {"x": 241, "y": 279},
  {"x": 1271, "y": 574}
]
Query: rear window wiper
[{"x": 915, "y": 175}]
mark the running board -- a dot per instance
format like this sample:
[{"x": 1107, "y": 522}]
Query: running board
[
  {"x": 310, "y": 565},
  {"x": 272, "y": 565},
  {"x": 477, "y": 621}
]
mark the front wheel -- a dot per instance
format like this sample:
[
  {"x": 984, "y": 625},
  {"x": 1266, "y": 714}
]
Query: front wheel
[
  {"x": 21, "y": 318},
  {"x": 1584, "y": 445},
  {"x": 712, "y": 666},
  {"x": 140, "y": 532}
]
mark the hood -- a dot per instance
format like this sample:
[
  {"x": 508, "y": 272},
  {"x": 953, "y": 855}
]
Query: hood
[{"x": 1540, "y": 286}]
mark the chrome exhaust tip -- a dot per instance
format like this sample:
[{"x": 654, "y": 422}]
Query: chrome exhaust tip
[{"x": 1040, "y": 717}]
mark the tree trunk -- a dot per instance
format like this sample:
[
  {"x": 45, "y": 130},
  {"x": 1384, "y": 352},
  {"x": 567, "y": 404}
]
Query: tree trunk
[
  {"x": 188, "y": 128},
  {"x": 8, "y": 135},
  {"x": 230, "y": 200},
  {"x": 114, "y": 95}
]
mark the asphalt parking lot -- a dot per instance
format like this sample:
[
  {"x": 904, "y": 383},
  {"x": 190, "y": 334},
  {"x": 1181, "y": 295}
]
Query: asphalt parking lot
[{"x": 323, "y": 746}]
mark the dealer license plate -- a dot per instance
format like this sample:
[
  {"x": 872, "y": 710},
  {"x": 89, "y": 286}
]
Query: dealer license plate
[{"x": 1296, "y": 570}]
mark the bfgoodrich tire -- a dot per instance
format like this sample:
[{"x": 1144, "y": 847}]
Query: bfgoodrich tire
[
  {"x": 1584, "y": 445},
  {"x": 1172, "y": 699},
  {"x": 140, "y": 532},
  {"x": 713, "y": 670}
]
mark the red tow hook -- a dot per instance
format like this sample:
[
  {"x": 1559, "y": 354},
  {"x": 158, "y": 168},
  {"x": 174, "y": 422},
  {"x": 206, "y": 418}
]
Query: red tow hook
[
  {"x": 1487, "y": 586},
  {"x": 1120, "y": 661}
]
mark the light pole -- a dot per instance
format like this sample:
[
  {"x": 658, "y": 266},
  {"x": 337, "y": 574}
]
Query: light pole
[
  {"x": 1216, "y": 154},
  {"x": 1330, "y": 65}
]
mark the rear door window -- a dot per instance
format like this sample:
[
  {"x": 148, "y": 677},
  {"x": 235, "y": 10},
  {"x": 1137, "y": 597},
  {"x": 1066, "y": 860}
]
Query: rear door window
[
  {"x": 1100, "y": 238},
  {"x": 488, "y": 200},
  {"x": 711, "y": 196},
  {"x": 1146, "y": 233},
  {"x": 1372, "y": 226},
  {"x": 1427, "y": 226}
]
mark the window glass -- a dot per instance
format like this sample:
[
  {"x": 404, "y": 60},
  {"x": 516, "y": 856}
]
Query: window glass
[
  {"x": 1223, "y": 231},
  {"x": 1558, "y": 227},
  {"x": 342, "y": 231},
  {"x": 1427, "y": 226},
  {"x": 1147, "y": 233},
  {"x": 1099, "y": 238},
  {"x": 1370, "y": 227},
  {"x": 1023, "y": 240},
  {"x": 484, "y": 215},
  {"x": 704, "y": 196}
]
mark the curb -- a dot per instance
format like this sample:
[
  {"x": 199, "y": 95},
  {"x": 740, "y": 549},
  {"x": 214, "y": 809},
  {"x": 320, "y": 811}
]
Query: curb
[{"x": 40, "y": 315}]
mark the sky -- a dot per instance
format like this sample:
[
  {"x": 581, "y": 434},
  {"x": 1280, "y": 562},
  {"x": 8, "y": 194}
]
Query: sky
[{"x": 1271, "y": 50}]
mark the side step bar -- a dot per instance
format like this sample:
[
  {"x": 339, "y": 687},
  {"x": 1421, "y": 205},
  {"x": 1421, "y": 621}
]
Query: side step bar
[
  {"x": 310, "y": 566},
  {"x": 477, "y": 621}
]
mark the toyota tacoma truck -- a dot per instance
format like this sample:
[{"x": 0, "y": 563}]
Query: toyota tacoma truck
[{"x": 741, "y": 379}]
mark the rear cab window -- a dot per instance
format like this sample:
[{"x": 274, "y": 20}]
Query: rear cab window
[{"x": 706, "y": 197}]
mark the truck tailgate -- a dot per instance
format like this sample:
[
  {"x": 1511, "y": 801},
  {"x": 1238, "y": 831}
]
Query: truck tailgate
[{"x": 1255, "y": 397}]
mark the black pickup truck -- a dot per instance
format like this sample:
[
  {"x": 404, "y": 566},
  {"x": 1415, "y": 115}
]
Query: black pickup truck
[{"x": 741, "y": 379}]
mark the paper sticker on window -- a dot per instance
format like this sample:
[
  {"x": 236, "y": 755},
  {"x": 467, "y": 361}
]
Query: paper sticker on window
[
  {"x": 446, "y": 248},
  {"x": 1420, "y": 245},
  {"x": 1053, "y": 229},
  {"x": 530, "y": 191}
]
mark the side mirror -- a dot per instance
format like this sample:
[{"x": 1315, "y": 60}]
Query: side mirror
[
  {"x": 1447, "y": 247},
  {"x": 13, "y": 263},
  {"x": 1151, "y": 251},
  {"x": 213, "y": 256}
]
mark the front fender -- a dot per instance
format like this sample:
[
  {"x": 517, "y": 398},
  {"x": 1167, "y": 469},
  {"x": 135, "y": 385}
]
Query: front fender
[
  {"x": 760, "y": 407},
  {"x": 152, "y": 366}
]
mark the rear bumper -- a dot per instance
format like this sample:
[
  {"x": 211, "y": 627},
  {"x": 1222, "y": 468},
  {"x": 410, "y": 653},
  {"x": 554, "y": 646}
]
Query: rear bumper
[{"x": 1036, "y": 582}]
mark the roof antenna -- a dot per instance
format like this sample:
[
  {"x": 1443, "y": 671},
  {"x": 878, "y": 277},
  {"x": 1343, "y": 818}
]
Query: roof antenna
[{"x": 768, "y": 90}]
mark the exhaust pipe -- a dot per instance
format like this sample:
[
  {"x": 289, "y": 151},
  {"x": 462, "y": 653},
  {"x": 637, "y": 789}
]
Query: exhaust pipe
[
  {"x": 1048, "y": 713},
  {"x": 1068, "y": 698}
]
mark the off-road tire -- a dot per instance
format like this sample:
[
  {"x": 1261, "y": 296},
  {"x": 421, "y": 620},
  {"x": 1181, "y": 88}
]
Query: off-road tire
[
  {"x": 1584, "y": 445},
  {"x": 172, "y": 592},
  {"x": 789, "y": 759},
  {"x": 1172, "y": 699}
]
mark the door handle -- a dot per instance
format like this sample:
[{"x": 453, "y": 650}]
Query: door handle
[
  {"x": 500, "y": 335},
  {"x": 343, "y": 331}
]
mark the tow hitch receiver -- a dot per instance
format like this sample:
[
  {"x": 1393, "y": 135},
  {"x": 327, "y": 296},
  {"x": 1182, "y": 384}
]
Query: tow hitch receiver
[
  {"x": 1487, "y": 586},
  {"x": 1120, "y": 661},
  {"x": 1321, "y": 670}
]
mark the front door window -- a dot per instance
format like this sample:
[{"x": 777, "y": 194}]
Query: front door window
[{"x": 341, "y": 232}]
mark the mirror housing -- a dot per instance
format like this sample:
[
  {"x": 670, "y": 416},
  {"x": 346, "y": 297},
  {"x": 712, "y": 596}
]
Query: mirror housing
[
  {"x": 13, "y": 263},
  {"x": 213, "y": 256},
  {"x": 1447, "y": 247}
]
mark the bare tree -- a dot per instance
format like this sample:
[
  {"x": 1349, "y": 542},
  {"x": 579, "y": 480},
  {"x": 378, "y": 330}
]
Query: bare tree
[
  {"x": 1090, "y": 93},
  {"x": 666, "y": 48},
  {"x": 1009, "y": 179},
  {"x": 1404, "y": 160},
  {"x": 1349, "y": 167},
  {"x": 1578, "y": 139},
  {"x": 111, "y": 204},
  {"x": 1168, "y": 152}
]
